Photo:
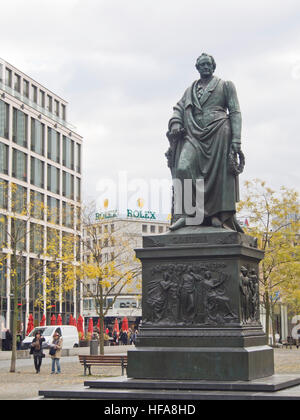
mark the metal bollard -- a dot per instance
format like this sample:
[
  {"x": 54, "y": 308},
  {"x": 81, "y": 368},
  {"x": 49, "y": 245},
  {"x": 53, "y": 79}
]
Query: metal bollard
[{"x": 94, "y": 345}]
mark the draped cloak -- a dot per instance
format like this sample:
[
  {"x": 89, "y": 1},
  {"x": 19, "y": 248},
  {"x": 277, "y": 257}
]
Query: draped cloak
[{"x": 211, "y": 122}]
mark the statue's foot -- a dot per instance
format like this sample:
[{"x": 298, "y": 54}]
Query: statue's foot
[
  {"x": 216, "y": 222},
  {"x": 179, "y": 224}
]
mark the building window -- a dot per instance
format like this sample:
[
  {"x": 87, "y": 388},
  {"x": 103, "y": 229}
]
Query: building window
[
  {"x": 19, "y": 199},
  {"x": 53, "y": 210},
  {"x": 37, "y": 172},
  {"x": 144, "y": 228},
  {"x": 19, "y": 168},
  {"x": 37, "y": 204},
  {"x": 42, "y": 98},
  {"x": 53, "y": 145},
  {"x": 53, "y": 242},
  {"x": 78, "y": 189},
  {"x": 4, "y": 119},
  {"x": 3, "y": 194},
  {"x": 25, "y": 88},
  {"x": 63, "y": 112},
  {"x": 8, "y": 77},
  {"x": 78, "y": 218},
  {"x": 53, "y": 179},
  {"x": 68, "y": 152},
  {"x": 17, "y": 83},
  {"x": 152, "y": 229},
  {"x": 19, "y": 234},
  {"x": 68, "y": 185},
  {"x": 49, "y": 103},
  {"x": 3, "y": 231},
  {"x": 20, "y": 123},
  {"x": 56, "y": 107},
  {"x": 37, "y": 137},
  {"x": 3, "y": 158},
  {"x": 34, "y": 93},
  {"x": 160, "y": 229},
  {"x": 78, "y": 157},
  {"x": 36, "y": 238}
]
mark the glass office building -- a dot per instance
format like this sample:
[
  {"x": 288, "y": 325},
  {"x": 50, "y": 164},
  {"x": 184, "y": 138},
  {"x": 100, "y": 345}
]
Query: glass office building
[{"x": 40, "y": 153}]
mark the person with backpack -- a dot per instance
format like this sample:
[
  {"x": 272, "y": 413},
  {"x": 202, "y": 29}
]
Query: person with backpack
[{"x": 55, "y": 352}]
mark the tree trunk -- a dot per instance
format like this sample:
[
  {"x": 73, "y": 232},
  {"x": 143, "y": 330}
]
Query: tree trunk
[
  {"x": 101, "y": 338},
  {"x": 15, "y": 316}
]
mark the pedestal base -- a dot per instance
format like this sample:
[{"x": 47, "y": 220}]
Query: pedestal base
[
  {"x": 218, "y": 364},
  {"x": 200, "y": 308}
]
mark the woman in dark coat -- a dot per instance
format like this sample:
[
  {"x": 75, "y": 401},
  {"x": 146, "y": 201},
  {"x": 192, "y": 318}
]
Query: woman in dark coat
[{"x": 37, "y": 350}]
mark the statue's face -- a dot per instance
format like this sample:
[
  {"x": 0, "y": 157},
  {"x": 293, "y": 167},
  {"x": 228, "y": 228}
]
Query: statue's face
[{"x": 205, "y": 67}]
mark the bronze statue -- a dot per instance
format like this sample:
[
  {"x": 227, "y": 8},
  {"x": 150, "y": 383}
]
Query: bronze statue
[{"x": 205, "y": 143}]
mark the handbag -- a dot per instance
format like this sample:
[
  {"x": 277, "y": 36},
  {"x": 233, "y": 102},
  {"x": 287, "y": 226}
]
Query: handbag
[{"x": 52, "y": 351}]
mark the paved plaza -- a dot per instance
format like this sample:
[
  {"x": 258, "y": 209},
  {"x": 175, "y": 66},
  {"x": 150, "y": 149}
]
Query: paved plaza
[{"x": 25, "y": 383}]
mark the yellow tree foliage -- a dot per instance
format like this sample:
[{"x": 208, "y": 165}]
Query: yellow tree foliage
[
  {"x": 274, "y": 220},
  {"x": 108, "y": 266}
]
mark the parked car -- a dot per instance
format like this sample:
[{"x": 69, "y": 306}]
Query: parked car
[{"x": 69, "y": 334}]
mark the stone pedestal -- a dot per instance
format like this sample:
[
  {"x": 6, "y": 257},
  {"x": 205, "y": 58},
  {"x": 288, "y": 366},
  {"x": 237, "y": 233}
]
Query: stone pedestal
[{"x": 200, "y": 308}]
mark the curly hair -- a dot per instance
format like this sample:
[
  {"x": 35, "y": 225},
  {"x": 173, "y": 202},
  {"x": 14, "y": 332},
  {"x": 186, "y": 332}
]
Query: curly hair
[{"x": 206, "y": 55}]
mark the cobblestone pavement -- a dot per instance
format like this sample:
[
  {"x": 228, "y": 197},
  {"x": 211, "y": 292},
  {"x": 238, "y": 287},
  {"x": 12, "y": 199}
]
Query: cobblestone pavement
[{"x": 26, "y": 383}]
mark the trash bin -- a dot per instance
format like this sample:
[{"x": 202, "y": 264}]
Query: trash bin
[{"x": 94, "y": 344}]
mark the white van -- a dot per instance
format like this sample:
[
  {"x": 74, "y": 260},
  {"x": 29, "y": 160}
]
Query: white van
[{"x": 69, "y": 334}]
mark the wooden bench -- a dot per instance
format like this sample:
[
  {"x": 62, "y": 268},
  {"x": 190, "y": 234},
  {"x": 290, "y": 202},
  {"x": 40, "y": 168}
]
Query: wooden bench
[{"x": 112, "y": 360}]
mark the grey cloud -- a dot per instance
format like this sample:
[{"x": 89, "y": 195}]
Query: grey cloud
[{"x": 123, "y": 65}]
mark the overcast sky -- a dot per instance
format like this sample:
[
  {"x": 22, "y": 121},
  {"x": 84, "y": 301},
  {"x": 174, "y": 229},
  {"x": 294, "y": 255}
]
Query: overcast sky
[{"x": 123, "y": 64}]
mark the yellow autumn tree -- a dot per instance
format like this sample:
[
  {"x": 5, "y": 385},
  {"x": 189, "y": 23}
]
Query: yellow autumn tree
[
  {"x": 108, "y": 266},
  {"x": 21, "y": 231},
  {"x": 274, "y": 220}
]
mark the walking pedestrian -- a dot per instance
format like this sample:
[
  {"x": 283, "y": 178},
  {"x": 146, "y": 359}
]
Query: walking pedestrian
[
  {"x": 37, "y": 350},
  {"x": 55, "y": 352}
]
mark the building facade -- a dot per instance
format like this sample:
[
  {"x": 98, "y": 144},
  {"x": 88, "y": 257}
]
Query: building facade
[
  {"x": 128, "y": 302},
  {"x": 40, "y": 154}
]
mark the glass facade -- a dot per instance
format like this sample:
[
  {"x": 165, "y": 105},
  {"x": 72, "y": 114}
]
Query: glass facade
[
  {"x": 36, "y": 238},
  {"x": 26, "y": 88},
  {"x": 68, "y": 152},
  {"x": 78, "y": 189},
  {"x": 53, "y": 179},
  {"x": 32, "y": 153},
  {"x": 19, "y": 199},
  {"x": 19, "y": 165},
  {"x": 3, "y": 231},
  {"x": 19, "y": 234},
  {"x": 37, "y": 137},
  {"x": 3, "y": 158},
  {"x": 53, "y": 145},
  {"x": 37, "y": 206},
  {"x": 20, "y": 125},
  {"x": 68, "y": 215},
  {"x": 68, "y": 185},
  {"x": 37, "y": 172},
  {"x": 4, "y": 119},
  {"x": 3, "y": 193},
  {"x": 53, "y": 210},
  {"x": 78, "y": 157}
]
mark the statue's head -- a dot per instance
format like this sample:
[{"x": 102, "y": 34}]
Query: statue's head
[
  {"x": 206, "y": 65},
  {"x": 244, "y": 270}
]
